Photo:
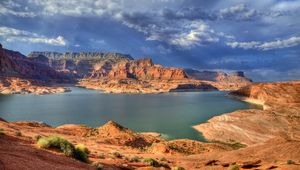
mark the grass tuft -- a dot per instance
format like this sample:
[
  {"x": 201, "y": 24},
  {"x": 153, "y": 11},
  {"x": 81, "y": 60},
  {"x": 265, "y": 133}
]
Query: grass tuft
[
  {"x": 2, "y": 132},
  {"x": 18, "y": 134},
  {"x": 233, "y": 167},
  {"x": 64, "y": 146},
  {"x": 177, "y": 168},
  {"x": 151, "y": 161}
]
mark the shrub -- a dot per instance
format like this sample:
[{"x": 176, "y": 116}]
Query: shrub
[
  {"x": 163, "y": 159},
  {"x": 80, "y": 155},
  {"x": 64, "y": 146},
  {"x": 37, "y": 137},
  {"x": 289, "y": 162},
  {"x": 135, "y": 159},
  {"x": 233, "y": 167},
  {"x": 177, "y": 168},
  {"x": 116, "y": 154},
  {"x": 83, "y": 148},
  {"x": 151, "y": 161},
  {"x": 18, "y": 134},
  {"x": 2, "y": 132}
]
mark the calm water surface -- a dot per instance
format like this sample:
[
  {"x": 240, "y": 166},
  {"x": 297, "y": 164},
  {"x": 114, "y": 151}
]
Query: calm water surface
[{"x": 172, "y": 114}]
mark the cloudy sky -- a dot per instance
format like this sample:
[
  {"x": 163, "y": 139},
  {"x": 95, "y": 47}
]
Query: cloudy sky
[{"x": 260, "y": 37}]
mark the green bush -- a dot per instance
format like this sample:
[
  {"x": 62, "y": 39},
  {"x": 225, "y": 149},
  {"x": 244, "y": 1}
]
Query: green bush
[
  {"x": 116, "y": 154},
  {"x": 2, "y": 132},
  {"x": 80, "y": 155},
  {"x": 163, "y": 159},
  {"x": 177, "y": 168},
  {"x": 64, "y": 146},
  {"x": 18, "y": 134},
  {"x": 233, "y": 167},
  {"x": 151, "y": 161},
  {"x": 135, "y": 159},
  {"x": 83, "y": 148},
  {"x": 289, "y": 162}
]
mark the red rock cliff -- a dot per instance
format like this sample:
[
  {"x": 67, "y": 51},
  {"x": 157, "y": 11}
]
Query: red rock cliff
[{"x": 142, "y": 69}]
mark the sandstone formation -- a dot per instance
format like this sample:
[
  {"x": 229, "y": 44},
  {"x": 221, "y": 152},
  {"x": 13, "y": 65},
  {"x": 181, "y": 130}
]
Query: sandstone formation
[
  {"x": 142, "y": 69},
  {"x": 218, "y": 76},
  {"x": 76, "y": 65},
  {"x": 18, "y": 74},
  {"x": 279, "y": 119},
  {"x": 142, "y": 76},
  {"x": 110, "y": 72}
]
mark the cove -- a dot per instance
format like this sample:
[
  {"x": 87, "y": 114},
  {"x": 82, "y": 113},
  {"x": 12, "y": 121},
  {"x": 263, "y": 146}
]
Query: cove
[{"x": 171, "y": 114}]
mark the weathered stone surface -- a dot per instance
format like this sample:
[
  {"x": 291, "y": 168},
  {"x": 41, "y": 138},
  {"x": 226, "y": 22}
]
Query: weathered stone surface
[
  {"x": 218, "y": 76},
  {"x": 281, "y": 117}
]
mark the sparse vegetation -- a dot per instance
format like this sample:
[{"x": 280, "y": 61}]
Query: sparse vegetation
[
  {"x": 97, "y": 165},
  {"x": 151, "y": 161},
  {"x": 163, "y": 159},
  {"x": 177, "y": 168},
  {"x": 64, "y": 146},
  {"x": 2, "y": 132},
  {"x": 233, "y": 144},
  {"x": 233, "y": 167},
  {"x": 116, "y": 154},
  {"x": 18, "y": 134},
  {"x": 290, "y": 162},
  {"x": 37, "y": 137},
  {"x": 83, "y": 148},
  {"x": 80, "y": 155},
  {"x": 101, "y": 156},
  {"x": 135, "y": 159}
]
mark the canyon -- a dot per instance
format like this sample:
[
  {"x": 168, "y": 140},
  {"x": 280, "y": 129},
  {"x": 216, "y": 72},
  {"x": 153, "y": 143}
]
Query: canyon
[
  {"x": 43, "y": 72},
  {"x": 266, "y": 138}
]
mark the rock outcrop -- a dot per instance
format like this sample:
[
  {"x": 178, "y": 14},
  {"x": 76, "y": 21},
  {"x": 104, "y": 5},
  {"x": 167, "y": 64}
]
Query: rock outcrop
[
  {"x": 77, "y": 65},
  {"x": 279, "y": 119},
  {"x": 142, "y": 69},
  {"x": 18, "y": 74},
  {"x": 218, "y": 76},
  {"x": 15, "y": 64}
]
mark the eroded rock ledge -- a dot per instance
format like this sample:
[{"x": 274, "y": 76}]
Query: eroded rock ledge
[
  {"x": 280, "y": 117},
  {"x": 26, "y": 86}
]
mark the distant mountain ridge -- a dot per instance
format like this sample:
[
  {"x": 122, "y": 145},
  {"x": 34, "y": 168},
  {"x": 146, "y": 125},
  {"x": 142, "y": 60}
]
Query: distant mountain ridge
[
  {"x": 79, "y": 55},
  {"x": 13, "y": 63},
  {"x": 217, "y": 76},
  {"x": 77, "y": 65}
]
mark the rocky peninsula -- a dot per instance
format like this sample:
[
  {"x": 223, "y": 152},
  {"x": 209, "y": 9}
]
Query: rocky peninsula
[{"x": 280, "y": 117}]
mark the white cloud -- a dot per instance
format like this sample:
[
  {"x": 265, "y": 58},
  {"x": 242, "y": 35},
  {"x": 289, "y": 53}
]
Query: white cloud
[
  {"x": 11, "y": 34},
  {"x": 6, "y": 11},
  {"x": 238, "y": 12},
  {"x": 77, "y": 7},
  {"x": 290, "y": 42},
  {"x": 286, "y": 6},
  {"x": 198, "y": 34}
]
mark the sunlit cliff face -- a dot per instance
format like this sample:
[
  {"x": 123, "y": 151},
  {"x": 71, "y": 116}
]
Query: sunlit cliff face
[{"x": 261, "y": 38}]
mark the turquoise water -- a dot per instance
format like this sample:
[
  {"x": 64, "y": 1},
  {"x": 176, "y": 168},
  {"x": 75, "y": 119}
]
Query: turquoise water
[{"x": 172, "y": 114}]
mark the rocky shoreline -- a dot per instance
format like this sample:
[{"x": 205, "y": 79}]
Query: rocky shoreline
[
  {"x": 253, "y": 126},
  {"x": 25, "y": 86}
]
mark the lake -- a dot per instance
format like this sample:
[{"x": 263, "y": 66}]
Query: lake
[{"x": 172, "y": 114}]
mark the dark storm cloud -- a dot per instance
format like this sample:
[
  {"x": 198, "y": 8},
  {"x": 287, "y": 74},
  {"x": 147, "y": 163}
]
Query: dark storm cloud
[{"x": 260, "y": 37}]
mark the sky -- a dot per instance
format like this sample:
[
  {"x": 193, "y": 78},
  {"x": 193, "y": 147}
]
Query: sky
[{"x": 259, "y": 37}]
